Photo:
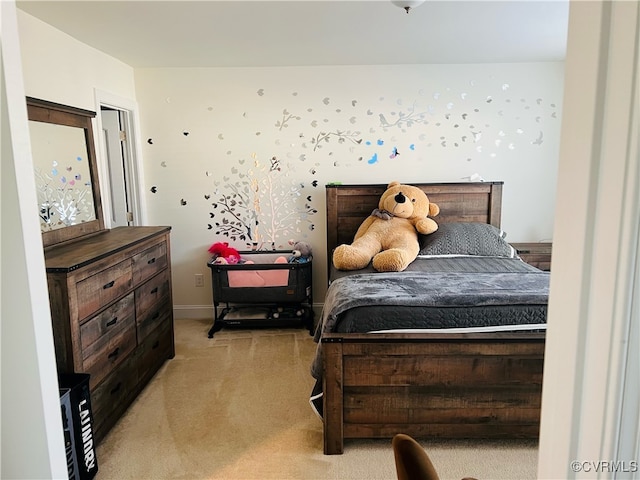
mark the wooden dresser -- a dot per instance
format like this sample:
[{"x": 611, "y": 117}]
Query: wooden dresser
[{"x": 112, "y": 313}]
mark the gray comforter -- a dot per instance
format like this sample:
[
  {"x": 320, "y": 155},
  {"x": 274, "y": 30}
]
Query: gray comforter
[{"x": 436, "y": 289}]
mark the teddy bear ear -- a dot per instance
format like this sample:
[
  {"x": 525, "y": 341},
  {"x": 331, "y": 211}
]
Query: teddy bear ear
[
  {"x": 395, "y": 183},
  {"x": 433, "y": 209}
]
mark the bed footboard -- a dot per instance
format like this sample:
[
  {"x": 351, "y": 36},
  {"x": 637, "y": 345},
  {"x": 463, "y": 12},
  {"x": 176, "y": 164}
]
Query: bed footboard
[{"x": 472, "y": 385}]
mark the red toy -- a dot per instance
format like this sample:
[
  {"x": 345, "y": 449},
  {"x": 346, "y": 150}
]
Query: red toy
[{"x": 224, "y": 254}]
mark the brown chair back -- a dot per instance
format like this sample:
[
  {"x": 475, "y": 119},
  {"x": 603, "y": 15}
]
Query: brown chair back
[{"x": 412, "y": 461}]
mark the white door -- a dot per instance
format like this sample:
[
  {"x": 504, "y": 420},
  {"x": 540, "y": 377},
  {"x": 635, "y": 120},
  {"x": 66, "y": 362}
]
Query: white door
[{"x": 114, "y": 138}]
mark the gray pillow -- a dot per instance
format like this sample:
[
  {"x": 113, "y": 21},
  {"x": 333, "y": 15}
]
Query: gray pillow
[{"x": 466, "y": 238}]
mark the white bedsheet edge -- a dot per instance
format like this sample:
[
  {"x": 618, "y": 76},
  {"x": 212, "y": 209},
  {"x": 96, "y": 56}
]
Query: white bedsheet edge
[{"x": 488, "y": 329}]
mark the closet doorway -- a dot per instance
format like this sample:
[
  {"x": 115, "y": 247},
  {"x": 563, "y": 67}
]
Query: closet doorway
[
  {"x": 121, "y": 170},
  {"x": 115, "y": 138}
]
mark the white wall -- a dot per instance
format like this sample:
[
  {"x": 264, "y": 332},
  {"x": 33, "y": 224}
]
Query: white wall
[
  {"x": 61, "y": 69},
  {"x": 211, "y": 132},
  {"x": 32, "y": 439}
]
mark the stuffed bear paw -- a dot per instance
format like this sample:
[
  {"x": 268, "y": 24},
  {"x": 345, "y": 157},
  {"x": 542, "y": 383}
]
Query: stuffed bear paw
[
  {"x": 426, "y": 226},
  {"x": 348, "y": 257},
  {"x": 392, "y": 260}
]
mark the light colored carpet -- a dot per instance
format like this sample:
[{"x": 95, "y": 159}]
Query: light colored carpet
[{"x": 236, "y": 407}]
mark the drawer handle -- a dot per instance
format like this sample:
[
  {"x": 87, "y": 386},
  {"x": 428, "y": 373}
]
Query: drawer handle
[
  {"x": 153, "y": 260},
  {"x": 155, "y": 290},
  {"x": 109, "y": 285},
  {"x": 115, "y": 353},
  {"x": 155, "y": 345},
  {"x": 116, "y": 388},
  {"x": 112, "y": 321}
]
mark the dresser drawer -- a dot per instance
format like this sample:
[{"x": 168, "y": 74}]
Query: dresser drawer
[
  {"x": 113, "y": 395},
  {"x": 146, "y": 264},
  {"x": 155, "y": 350},
  {"x": 109, "y": 351},
  {"x": 152, "y": 318},
  {"x": 152, "y": 293},
  {"x": 100, "y": 289},
  {"x": 112, "y": 320},
  {"x": 153, "y": 303}
]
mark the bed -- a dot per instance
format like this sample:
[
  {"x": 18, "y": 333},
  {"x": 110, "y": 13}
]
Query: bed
[{"x": 452, "y": 347}]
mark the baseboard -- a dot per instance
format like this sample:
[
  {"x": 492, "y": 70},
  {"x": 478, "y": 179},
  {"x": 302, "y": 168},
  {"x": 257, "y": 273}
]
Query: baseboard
[
  {"x": 206, "y": 311},
  {"x": 193, "y": 311}
]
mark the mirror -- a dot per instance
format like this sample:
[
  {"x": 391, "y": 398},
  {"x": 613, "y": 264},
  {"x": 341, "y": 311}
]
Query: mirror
[
  {"x": 65, "y": 171},
  {"x": 63, "y": 177}
]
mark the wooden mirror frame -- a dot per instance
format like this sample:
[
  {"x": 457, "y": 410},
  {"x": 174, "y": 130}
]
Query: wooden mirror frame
[{"x": 50, "y": 112}]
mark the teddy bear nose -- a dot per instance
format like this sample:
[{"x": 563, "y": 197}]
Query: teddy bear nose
[{"x": 400, "y": 198}]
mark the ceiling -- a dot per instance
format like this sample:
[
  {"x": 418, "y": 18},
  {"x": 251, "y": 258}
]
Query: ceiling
[{"x": 243, "y": 33}]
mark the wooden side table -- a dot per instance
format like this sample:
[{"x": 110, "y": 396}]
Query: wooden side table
[{"x": 537, "y": 254}]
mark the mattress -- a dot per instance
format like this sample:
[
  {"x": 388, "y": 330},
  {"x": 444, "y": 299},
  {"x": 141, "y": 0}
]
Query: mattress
[{"x": 493, "y": 291}]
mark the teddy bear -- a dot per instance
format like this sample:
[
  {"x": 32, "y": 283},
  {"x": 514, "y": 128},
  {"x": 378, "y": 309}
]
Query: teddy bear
[
  {"x": 300, "y": 253},
  {"x": 389, "y": 235}
]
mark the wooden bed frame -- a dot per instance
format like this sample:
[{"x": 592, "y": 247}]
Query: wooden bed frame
[{"x": 475, "y": 385}]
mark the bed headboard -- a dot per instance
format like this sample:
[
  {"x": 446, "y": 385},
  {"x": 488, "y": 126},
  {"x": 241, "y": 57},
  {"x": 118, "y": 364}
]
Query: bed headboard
[{"x": 349, "y": 205}]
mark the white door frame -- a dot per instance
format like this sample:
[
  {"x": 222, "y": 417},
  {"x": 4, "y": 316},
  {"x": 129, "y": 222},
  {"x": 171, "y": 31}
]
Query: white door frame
[
  {"x": 133, "y": 156},
  {"x": 589, "y": 415}
]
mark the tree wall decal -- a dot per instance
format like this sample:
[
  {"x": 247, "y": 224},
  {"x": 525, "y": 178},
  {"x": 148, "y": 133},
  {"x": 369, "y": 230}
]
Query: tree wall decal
[{"x": 262, "y": 208}]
